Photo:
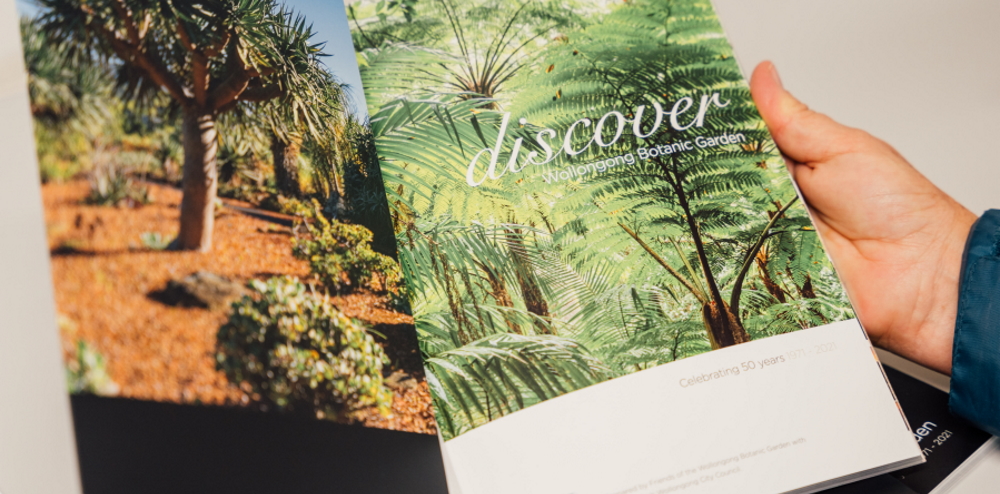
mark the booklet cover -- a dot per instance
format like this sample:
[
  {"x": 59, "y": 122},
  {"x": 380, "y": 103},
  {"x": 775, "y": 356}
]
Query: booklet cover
[
  {"x": 950, "y": 445},
  {"x": 615, "y": 284}
]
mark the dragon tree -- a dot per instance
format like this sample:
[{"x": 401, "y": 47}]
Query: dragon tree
[{"x": 204, "y": 59}]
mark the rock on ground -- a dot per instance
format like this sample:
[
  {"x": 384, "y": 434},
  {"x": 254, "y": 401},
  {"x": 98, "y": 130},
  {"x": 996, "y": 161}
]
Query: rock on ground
[{"x": 201, "y": 289}]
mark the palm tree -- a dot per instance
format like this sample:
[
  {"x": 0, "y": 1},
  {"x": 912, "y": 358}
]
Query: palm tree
[
  {"x": 207, "y": 58},
  {"x": 63, "y": 89},
  {"x": 489, "y": 41},
  {"x": 291, "y": 125}
]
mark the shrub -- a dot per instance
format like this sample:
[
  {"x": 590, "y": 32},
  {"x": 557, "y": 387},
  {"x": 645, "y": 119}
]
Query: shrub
[
  {"x": 286, "y": 205},
  {"x": 62, "y": 154},
  {"x": 155, "y": 240},
  {"x": 341, "y": 255},
  {"x": 297, "y": 351},
  {"x": 112, "y": 185},
  {"x": 87, "y": 372}
]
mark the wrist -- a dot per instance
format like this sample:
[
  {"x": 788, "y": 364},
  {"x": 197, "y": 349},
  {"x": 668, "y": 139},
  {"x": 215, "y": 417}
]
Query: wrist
[
  {"x": 927, "y": 335},
  {"x": 976, "y": 357}
]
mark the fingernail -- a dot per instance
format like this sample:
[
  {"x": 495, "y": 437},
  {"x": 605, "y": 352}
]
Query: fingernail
[{"x": 774, "y": 74}]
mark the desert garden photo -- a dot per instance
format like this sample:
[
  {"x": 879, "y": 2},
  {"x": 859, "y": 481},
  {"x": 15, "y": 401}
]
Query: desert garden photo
[{"x": 217, "y": 224}]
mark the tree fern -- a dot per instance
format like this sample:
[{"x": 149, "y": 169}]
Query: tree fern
[
  {"x": 611, "y": 272},
  {"x": 503, "y": 373}
]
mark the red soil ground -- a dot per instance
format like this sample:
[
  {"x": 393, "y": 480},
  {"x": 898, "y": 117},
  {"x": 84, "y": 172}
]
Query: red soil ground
[{"x": 103, "y": 274}]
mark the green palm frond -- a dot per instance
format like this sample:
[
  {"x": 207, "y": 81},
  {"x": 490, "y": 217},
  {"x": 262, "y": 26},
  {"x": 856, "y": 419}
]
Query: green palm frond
[
  {"x": 503, "y": 373},
  {"x": 629, "y": 262},
  {"x": 64, "y": 88}
]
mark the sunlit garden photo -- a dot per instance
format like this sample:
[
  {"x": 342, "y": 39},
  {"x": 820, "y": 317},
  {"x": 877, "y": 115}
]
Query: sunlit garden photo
[{"x": 215, "y": 211}]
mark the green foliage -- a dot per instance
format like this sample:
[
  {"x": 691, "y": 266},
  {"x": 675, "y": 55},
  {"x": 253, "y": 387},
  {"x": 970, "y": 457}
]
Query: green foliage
[
  {"x": 70, "y": 102},
  {"x": 284, "y": 205},
  {"x": 340, "y": 255},
  {"x": 155, "y": 240},
  {"x": 87, "y": 372},
  {"x": 297, "y": 351},
  {"x": 62, "y": 154},
  {"x": 406, "y": 7},
  {"x": 654, "y": 329},
  {"x": 643, "y": 264},
  {"x": 363, "y": 200},
  {"x": 112, "y": 184},
  {"x": 503, "y": 373}
]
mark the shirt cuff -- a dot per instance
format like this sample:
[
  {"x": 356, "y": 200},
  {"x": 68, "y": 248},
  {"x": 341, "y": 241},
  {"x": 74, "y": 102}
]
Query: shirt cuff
[{"x": 975, "y": 374}]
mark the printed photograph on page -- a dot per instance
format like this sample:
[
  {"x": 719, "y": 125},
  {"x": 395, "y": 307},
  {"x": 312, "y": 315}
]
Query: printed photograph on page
[
  {"x": 218, "y": 229},
  {"x": 579, "y": 190}
]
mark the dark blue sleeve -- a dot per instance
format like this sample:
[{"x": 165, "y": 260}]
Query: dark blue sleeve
[{"x": 975, "y": 373}]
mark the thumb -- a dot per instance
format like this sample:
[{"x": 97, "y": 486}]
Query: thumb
[{"x": 802, "y": 134}]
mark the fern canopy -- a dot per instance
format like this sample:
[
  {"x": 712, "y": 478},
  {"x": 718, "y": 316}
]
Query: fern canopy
[{"x": 561, "y": 270}]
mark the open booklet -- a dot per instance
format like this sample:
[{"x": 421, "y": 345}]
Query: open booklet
[{"x": 616, "y": 286}]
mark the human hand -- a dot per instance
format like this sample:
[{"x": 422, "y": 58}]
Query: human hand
[{"x": 895, "y": 238}]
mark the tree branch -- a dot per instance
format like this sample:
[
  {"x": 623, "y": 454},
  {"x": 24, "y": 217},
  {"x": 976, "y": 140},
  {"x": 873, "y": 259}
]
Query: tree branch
[
  {"x": 676, "y": 274},
  {"x": 358, "y": 25},
  {"x": 134, "y": 53},
  {"x": 126, "y": 16},
  {"x": 734, "y": 298},
  {"x": 220, "y": 44},
  {"x": 199, "y": 65},
  {"x": 147, "y": 20},
  {"x": 237, "y": 81},
  {"x": 260, "y": 93},
  {"x": 232, "y": 86},
  {"x": 682, "y": 199}
]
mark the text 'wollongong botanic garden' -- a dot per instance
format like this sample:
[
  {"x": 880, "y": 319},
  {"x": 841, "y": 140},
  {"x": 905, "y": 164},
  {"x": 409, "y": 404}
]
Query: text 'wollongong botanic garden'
[{"x": 578, "y": 171}]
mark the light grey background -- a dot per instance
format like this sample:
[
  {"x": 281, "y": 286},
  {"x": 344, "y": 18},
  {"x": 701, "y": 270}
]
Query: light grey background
[
  {"x": 37, "y": 453},
  {"x": 922, "y": 75}
]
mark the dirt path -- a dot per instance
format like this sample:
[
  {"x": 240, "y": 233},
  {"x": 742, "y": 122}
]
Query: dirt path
[{"x": 103, "y": 274}]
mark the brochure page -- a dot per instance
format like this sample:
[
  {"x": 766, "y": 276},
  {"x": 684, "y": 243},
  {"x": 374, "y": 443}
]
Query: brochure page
[
  {"x": 215, "y": 238},
  {"x": 615, "y": 284},
  {"x": 951, "y": 446}
]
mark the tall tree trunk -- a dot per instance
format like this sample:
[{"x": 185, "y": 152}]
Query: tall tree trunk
[
  {"x": 286, "y": 165},
  {"x": 200, "y": 181},
  {"x": 770, "y": 285},
  {"x": 724, "y": 329},
  {"x": 498, "y": 289},
  {"x": 721, "y": 322},
  {"x": 534, "y": 299},
  {"x": 807, "y": 290}
]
